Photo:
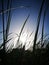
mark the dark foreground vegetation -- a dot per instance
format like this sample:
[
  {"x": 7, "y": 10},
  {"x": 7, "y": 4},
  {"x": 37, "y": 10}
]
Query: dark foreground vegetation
[{"x": 22, "y": 57}]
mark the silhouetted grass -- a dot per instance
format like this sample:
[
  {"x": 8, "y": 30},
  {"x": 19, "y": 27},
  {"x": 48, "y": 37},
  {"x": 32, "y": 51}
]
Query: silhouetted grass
[
  {"x": 22, "y": 29},
  {"x": 20, "y": 56},
  {"x": 5, "y": 35},
  {"x": 3, "y": 24},
  {"x": 8, "y": 21},
  {"x": 38, "y": 23},
  {"x": 43, "y": 26}
]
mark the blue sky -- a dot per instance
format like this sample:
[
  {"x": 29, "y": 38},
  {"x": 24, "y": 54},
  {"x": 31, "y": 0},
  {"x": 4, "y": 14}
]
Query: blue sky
[{"x": 19, "y": 15}]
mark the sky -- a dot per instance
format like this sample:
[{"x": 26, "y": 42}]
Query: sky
[{"x": 19, "y": 15}]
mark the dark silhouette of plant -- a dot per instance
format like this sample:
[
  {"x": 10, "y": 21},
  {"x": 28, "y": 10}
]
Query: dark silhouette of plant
[
  {"x": 43, "y": 25},
  {"x": 38, "y": 23},
  {"x": 22, "y": 29},
  {"x": 3, "y": 24},
  {"x": 5, "y": 32},
  {"x": 8, "y": 20}
]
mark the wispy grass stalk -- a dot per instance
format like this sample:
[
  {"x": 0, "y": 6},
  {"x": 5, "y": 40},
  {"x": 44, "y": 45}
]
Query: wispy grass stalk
[{"x": 14, "y": 8}]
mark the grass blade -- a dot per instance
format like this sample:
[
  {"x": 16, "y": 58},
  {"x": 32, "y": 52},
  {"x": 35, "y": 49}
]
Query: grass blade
[
  {"x": 8, "y": 5},
  {"x": 31, "y": 34},
  {"x": 14, "y": 8}
]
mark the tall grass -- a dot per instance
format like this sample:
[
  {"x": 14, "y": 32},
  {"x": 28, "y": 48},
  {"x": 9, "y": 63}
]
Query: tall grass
[
  {"x": 8, "y": 19},
  {"x": 38, "y": 23},
  {"x": 22, "y": 29},
  {"x": 3, "y": 23},
  {"x": 8, "y": 12},
  {"x": 5, "y": 32},
  {"x": 43, "y": 26},
  {"x": 42, "y": 39}
]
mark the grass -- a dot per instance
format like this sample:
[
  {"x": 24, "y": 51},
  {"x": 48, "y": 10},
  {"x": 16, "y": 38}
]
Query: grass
[
  {"x": 8, "y": 21},
  {"x": 3, "y": 24},
  {"x": 38, "y": 23},
  {"x": 5, "y": 32},
  {"x": 43, "y": 25},
  {"x": 20, "y": 55},
  {"x": 22, "y": 29}
]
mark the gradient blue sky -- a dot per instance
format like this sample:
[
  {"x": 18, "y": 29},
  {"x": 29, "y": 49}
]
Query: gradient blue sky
[{"x": 19, "y": 15}]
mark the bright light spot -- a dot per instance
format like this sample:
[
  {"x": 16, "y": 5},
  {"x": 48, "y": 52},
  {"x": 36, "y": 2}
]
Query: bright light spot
[{"x": 25, "y": 40}]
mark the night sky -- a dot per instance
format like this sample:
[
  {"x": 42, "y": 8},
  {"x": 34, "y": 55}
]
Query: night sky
[{"x": 19, "y": 15}]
